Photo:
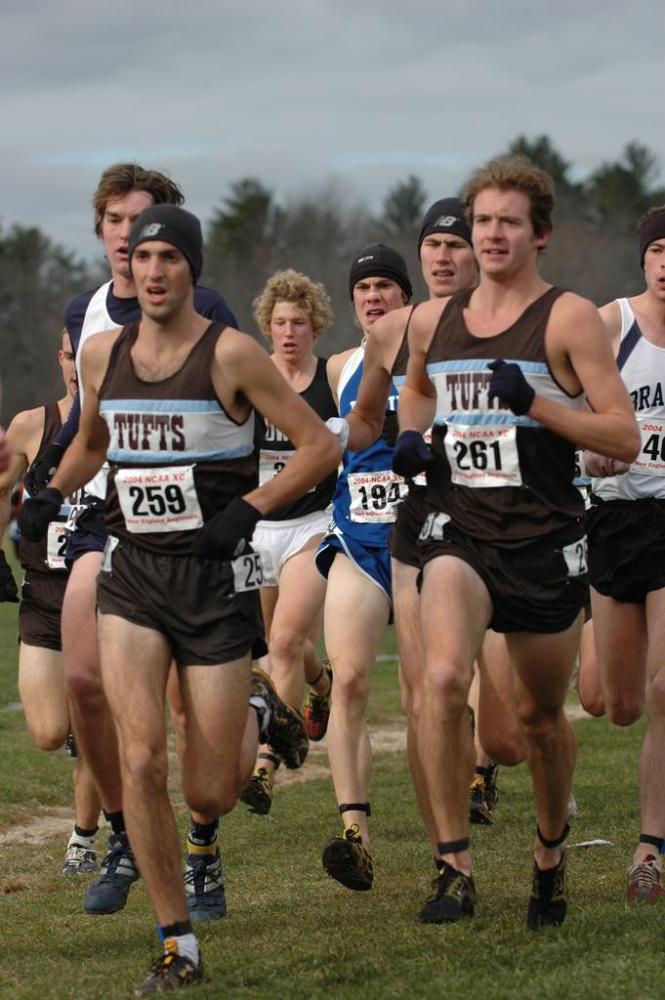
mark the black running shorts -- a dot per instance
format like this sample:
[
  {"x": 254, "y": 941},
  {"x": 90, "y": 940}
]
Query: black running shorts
[
  {"x": 411, "y": 514},
  {"x": 192, "y": 603},
  {"x": 539, "y": 587},
  {"x": 40, "y": 608},
  {"x": 627, "y": 548}
]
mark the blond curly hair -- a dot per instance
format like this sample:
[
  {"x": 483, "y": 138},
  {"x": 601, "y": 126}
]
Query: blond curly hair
[{"x": 296, "y": 288}]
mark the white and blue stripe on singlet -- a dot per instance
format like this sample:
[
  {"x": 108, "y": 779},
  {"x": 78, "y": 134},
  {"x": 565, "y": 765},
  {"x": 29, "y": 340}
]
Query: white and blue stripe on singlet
[{"x": 210, "y": 434}]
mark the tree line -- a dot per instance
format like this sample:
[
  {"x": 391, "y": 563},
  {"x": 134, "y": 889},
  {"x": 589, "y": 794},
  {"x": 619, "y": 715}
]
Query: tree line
[{"x": 251, "y": 234}]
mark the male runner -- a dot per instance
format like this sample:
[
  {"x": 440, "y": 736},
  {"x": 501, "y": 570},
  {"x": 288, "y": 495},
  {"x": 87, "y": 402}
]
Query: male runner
[
  {"x": 293, "y": 312},
  {"x": 41, "y": 677},
  {"x": 626, "y": 528},
  {"x": 501, "y": 373},
  {"x": 124, "y": 190},
  {"x": 448, "y": 265},
  {"x": 171, "y": 397},
  {"x": 355, "y": 558}
]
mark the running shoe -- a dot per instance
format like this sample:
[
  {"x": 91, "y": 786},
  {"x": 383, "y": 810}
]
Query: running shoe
[
  {"x": 170, "y": 971},
  {"x": 453, "y": 897},
  {"x": 108, "y": 893},
  {"x": 547, "y": 904},
  {"x": 348, "y": 861},
  {"x": 80, "y": 858},
  {"x": 281, "y": 726},
  {"x": 316, "y": 712},
  {"x": 258, "y": 792},
  {"x": 479, "y": 807},
  {"x": 644, "y": 881},
  {"x": 204, "y": 884}
]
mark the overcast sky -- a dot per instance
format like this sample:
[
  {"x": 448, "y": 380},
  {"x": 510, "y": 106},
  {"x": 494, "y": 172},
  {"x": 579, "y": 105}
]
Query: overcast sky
[{"x": 305, "y": 92}]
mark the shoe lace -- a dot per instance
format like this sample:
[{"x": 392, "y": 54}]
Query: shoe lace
[
  {"x": 113, "y": 858},
  {"x": 644, "y": 875}
]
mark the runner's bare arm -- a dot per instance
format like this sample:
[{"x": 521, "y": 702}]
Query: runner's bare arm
[
  {"x": 87, "y": 452},
  {"x": 366, "y": 418},
  {"x": 20, "y": 439},
  {"x": 608, "y": 426},
  {"x": 417, "y": 402},
  {"x": 334, "y": 370},
  {"x": 242, "y": 367}
]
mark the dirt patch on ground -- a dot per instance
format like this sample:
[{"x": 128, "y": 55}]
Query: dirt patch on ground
[{"x": 57, "y": 822}]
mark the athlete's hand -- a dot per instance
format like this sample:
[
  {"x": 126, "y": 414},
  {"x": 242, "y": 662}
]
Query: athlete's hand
[
  {"x": 509, "y": 385},
  {"x": 8, "y": 591},
  {"x": 598, "y": 466},
  {"x": 411, "y": 455},
  {"x": 43, "y": 469},
  {"x": 37, "y": 512},
  {"x": 340, "y": 428},
  {"x": 227, "y": 534}
]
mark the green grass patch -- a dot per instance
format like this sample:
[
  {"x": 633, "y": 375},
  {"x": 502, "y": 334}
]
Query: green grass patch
[{"x": 291, "y": 932}]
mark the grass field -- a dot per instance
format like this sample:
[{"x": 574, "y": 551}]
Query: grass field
[{"x": 293, "y": 933}]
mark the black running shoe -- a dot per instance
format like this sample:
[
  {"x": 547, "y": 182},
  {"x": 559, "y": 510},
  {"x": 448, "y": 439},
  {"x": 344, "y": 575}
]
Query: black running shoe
[
  {"x": 479, "y": 809},
  {"x": 491, "y": 788},
  {"x": 348, "y": 861},
  {"x": 170, "y": 971},
  {"x": 257, "y": 793},
  {"x": 547, "y": 905},
  {"x": 108, "y": 893},
  {"x": 453, "y": 897},
  {"x": 282, "y": 727},
  {"x": 204, "y": 884}
]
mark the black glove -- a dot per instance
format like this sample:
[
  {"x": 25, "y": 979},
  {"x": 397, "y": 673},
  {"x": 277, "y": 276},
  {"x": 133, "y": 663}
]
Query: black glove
[
  {"x": 37, "y": 513},
  {"x": 412, "y": 454},
  {"x": 43, "y": 469},
  {"x": 227, "y": 534},
  {"x": 8, "y": 591},
  {"x": 509, "y": 385}
]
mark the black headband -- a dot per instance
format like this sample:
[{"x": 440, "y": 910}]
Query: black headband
[
  {"x": 379, "y": 261},
  {"x": 653, "y": 228},
  {"x": 448, "y": 215},
  {"x": 174, "y": 225}
]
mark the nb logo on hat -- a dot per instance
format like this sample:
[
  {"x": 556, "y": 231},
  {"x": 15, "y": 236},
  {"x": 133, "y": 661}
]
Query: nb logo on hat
[
  {"x": 152, "y": 229},
  {"x": 361, "y": 260},
  {"x": 446, "y": 221}
]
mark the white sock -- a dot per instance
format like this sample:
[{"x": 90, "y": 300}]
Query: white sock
[{"x": 187, "y": 946}]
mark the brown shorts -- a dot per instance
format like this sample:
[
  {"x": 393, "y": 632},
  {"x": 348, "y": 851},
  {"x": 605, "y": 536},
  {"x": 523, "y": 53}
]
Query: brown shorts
[
  {"x": 540, "y": 587},
  {"x": 411, "y": 515},
  {"x": 40, "y": 608},
  {"x": 192, "y": 603}
]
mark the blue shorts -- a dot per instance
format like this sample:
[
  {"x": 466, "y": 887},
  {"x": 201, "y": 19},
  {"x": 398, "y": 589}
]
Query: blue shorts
[{"x": 374, "y": 563}]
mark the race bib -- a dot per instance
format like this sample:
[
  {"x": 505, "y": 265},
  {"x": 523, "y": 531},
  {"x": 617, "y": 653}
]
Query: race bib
[
  {"x": 651, "y": 459},
  {"x": 433, "y": 526},
  {"x": 161, "y": 499},
  {"x": 375, "y": 496},
  {"x": 109, "y": 548},
  {"x": 575, "y": 556},
  {"x": 56, "y": 545},
  {"x": 272, "y": 462},
  {"x": 483, "y": 455},
  {"x": 247, "y": 572}
]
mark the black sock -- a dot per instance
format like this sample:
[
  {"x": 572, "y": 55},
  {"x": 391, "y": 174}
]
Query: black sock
[
  {"x": 117, "y": 821},
  {"x": 80, "y": 832},
  {"x": 178, "y": 929},
  {"x": 203, "y": 834}
]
